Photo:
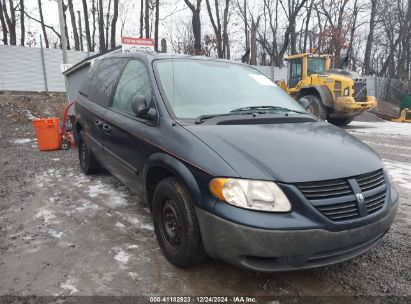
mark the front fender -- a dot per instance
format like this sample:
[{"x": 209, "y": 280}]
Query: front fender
[{"x": 177, "y": 168}]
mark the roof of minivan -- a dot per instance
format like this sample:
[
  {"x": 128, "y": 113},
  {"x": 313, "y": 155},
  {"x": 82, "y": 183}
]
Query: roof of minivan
[{"x": 148, "y": 56}]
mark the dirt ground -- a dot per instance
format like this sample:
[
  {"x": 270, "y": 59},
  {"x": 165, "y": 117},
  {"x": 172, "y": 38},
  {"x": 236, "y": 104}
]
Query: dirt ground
[{"x": 63, "y": 233}]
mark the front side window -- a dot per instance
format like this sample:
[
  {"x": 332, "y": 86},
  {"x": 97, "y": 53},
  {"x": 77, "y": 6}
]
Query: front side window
[
  {"x": 204, "y": 87},
  {"x": 134, "y": 81},
  {"x": 316, "y": 66}
]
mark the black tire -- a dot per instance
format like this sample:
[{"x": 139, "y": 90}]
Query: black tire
[
  {"x": 88, "y": 162},
  {"x": 341, "y": 121},
  {"x": 176, "y": 225},
  {"x": 316, "y": 107},
  {"x": 65, "y": 144}
]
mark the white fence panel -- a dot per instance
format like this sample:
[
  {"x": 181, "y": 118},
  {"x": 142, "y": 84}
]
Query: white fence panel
[{"x": 21, "y": 68}]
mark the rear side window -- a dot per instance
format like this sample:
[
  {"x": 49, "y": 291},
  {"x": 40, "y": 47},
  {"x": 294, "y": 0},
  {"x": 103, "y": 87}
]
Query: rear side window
[
  {"x": 103, "y": 79},
  {"x": 134, "y": 81}
]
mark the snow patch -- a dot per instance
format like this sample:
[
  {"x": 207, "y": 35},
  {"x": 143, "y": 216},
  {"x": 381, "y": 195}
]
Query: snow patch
[
  {"x": 132, "y": 247},
  {"x": 113, "y": 198},
  {"x": 69, "y": 286},
  {"x": 46, "y": 214},
  {"x": 133, "y": 275},
  {"x": 21, "y": 141},
  {"x": 119, "y": 225},
  {"x": 122, "y": 257},
  {"x": 87, "y": 205},
  {"x": 55, "y": 234},
  {"x": 148, "y": 227},
  {"x": 399, "y": 172},
  {"x": 383, "y": 127},
  {"x": 30, "y": 116}
]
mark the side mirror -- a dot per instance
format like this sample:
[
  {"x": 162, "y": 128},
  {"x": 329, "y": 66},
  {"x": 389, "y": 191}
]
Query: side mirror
[{"x": 139, "y": 105}]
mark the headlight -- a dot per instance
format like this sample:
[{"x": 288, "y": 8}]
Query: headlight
[
  {"x": 346, "y": 91},
  {"x": 250, "y": 194}
]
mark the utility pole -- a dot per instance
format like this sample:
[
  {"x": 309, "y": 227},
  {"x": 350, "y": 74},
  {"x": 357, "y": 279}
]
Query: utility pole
[{"x": 62, "y": 31}]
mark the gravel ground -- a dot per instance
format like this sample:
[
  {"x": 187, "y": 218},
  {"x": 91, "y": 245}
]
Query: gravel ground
[{"x": 64, "y": 233}]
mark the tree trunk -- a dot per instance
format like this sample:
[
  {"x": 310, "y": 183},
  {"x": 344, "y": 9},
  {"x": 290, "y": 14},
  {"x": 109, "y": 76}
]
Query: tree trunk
[
  {"x": 11, "y": 21},
  {"x": 22, "y": 27},
  {"x": 73, "y": 24},
  {"x": 43, "y": 28},
  {"x": 87, "y": 25},
  {"x": 216, "y": 23},
  {"x": 196, "y": 24},
  {"x": 80, "y": 29},
  {"x": 147, "y": 19},
  {"x": 163, "y": 46},
  {"x": 65, "y": 25},
  {"x": 107, "y": 24},
  {"x": 4, "y": 25},
  {"x": 102, "y": 41},
  {"x": 370, "y": 38},
  {"x": 114, "y": 24},
  {"x": 253, "y": 42},
  {"x": 141, "y": 18},
  {"x": 247, "y": 36},
  {"x": 93, "y": 42},
  {"x": 156, "y": 25}
]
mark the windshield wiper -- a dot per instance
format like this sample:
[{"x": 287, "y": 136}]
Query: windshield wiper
[
  {"x": 264, "y": 108},
  {"x": 200, "y": 119}
]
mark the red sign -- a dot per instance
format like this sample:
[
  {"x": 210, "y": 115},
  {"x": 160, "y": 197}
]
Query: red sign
[{"x": 137, "y": 41}]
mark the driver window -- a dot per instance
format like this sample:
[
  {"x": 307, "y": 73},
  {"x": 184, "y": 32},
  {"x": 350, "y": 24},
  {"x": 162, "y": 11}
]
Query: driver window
[
  {"x": 295, "y": 72},
  {"x": 134, "y": 81}
]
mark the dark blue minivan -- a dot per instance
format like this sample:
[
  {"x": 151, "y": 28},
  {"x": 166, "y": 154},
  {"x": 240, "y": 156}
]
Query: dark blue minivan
[{"x": 231, "y": 166}]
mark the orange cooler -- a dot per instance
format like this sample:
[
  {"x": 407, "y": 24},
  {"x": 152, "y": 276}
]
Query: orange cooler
[{"x": 47, "y": 133}]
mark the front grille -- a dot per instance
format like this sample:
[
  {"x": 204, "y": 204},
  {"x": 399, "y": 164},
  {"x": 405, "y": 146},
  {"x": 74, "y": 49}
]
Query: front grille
[
  {"x": 371, "y": 180},
  {"x": 326, "y": 189},
  {"x": 336, "y": 200},
  {"x": 340, "y": 212},
  {"x": 375, "y": 202},
  {"x": 360, "y": 91}
]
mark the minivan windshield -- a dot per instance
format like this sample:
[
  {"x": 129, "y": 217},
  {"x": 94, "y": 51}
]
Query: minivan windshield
[{"x": 204, "y": 87}]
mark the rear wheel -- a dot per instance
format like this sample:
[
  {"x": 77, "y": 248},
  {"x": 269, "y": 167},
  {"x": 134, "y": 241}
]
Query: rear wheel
[
  {"x": 176, "y": 225},
  {"x": 88, "y": 162},
  {"x": 316, "y": 107},
  {"x": 341, "y": 121}
]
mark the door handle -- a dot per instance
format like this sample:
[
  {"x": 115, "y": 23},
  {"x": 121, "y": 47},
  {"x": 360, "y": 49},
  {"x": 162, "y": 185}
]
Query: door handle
[
  {"x": 107, "y": 128},
  {"x": 98, "y": 123}
]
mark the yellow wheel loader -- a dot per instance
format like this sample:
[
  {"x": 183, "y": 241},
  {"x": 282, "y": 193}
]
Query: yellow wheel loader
[{"x": 335, "y": 95}]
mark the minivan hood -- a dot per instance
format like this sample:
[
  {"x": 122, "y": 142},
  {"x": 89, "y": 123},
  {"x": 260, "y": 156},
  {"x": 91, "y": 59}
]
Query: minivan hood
[{"x": 289, "y": 152}]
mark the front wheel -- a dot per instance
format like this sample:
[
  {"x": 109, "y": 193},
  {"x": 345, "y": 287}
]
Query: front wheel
[
  {"x": 341, "y": 121},
  {"x": 316, "y": 107},
  {"x": 176, "y": 225}
]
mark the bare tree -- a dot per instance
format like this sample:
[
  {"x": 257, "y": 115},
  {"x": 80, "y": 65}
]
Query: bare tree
[
  {"x": 102, "y": 41},
  {"x": 196, "y": 24},
  {"x": 94, "y": 12},
  {"x": 43, "y": 27},
  {"x": 141, "y": 18},
  {"x": 3, "y": 25},
  {"x": 147, "y": 18},
  {"x": 22, "y": 26},
  {"x": 80, "y": 29},
  {"x": 370, "y": 38},
  {"x": 114, "y": 24},
  {"x": 86, "y": 25},
  {"x": 10, "y": 20},
  {"x": 220, "y": 27},
  {"x": 73, "y": 25},
  {"x": 157, "y": 18}
]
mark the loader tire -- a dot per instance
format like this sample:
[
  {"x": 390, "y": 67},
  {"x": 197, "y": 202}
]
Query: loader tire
[
  {"x": 340, "y": 121},
  {"x": 316, "y": 107}
]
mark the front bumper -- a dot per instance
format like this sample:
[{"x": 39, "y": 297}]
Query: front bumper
[
  {"x": 349, "y": 105},
  {"x": 284, "y": 250}
]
